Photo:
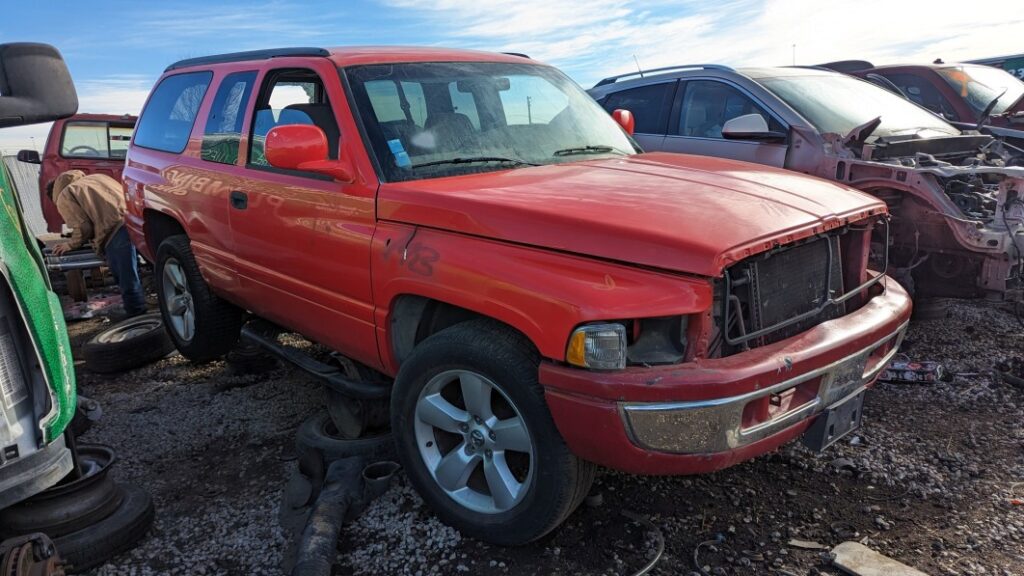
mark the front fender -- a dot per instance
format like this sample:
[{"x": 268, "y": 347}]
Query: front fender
[{"x": 542, "y": 293}]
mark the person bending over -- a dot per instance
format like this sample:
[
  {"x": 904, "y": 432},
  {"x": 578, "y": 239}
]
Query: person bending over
[{"x": 93, "y": 206}]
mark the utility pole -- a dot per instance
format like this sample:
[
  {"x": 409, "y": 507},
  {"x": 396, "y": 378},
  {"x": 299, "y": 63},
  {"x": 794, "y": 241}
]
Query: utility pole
[
  {"x": 794, "y": 54},
  {"x": 529, "y": 111}
]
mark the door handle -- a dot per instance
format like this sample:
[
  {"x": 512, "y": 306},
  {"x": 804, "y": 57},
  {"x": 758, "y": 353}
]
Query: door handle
[{"x": 239, "y": 200}]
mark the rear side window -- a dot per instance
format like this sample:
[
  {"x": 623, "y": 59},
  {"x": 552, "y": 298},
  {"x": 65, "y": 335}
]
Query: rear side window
[
  {"x": 98, "y": 140},
  {"x": 649, "y": 105},
  {"x": 171, "y": 111},
  {"x": 224, "y": 124}
]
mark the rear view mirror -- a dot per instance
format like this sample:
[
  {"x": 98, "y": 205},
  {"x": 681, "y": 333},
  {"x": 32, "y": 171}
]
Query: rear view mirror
[
  {"x": 750, "y": 127},
  {"x": 303, "y": 147},
  {"x": 29, "y": 156},
  {"x": 35, "y": 85},
  {"x": 625, "y": 119}
]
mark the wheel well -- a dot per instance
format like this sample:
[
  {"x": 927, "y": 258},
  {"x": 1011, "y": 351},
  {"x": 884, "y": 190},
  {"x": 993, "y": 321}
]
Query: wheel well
[
  {"x": 159, "y": 226},
  {"x": 415, "y": 318}
]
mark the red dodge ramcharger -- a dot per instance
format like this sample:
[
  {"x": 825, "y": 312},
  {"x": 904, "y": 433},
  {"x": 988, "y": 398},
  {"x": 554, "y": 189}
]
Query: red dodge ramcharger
[{"x": 539, "y": 296}]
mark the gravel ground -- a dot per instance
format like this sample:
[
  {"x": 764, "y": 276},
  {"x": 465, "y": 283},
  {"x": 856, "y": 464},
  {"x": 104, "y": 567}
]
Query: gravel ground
[{"x": 929, "y": 480}]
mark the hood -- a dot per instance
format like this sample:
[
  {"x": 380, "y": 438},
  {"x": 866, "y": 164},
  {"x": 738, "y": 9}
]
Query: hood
[
  {"x": 64, "y": 180},
  {"x": 691, "y": 214}
]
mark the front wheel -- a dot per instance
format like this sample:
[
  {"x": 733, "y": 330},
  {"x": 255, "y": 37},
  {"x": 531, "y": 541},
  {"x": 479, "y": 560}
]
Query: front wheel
[
  {"x": 476, "y": 437},
  {"x": 203, "y": 326}
]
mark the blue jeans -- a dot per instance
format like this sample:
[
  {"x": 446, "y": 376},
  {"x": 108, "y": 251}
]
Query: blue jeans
[{"x": 124, "y": 264}]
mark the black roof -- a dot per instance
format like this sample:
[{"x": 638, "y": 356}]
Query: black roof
[{"x": 249, "y": 55}]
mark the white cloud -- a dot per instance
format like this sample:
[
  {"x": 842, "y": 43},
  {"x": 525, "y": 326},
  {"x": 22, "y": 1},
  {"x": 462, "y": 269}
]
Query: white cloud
[{"x": 595, "y": 38}]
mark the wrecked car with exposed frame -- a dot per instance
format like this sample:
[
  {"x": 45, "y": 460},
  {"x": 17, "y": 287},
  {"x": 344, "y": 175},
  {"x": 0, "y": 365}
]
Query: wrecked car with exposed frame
[{"x": 956, "y": 198}]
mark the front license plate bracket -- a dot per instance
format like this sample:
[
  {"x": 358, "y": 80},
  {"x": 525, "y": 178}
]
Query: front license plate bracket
[{"x": 834, "y": 423}]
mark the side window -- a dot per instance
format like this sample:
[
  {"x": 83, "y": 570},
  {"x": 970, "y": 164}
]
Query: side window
[
  {"x": 464, "y": 103},
  {"x": 649, "y": 105},
  {"x": 224, "y": 124},
  {"x": 171, "y": 111},
  {"x": 708, "y": 105},
  {"x": 531, "y": 100},
  {"x": 97, "y": 140},
  {"x": 292, "y": 96},
  {"x": 923, "y": 93}
]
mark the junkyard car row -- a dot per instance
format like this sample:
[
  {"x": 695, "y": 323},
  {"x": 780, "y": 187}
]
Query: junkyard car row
[{"x": 529, "y": 285}]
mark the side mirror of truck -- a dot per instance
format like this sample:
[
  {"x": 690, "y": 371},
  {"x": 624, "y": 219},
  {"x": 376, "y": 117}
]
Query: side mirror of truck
[
  {"x": 35, "y": 85},
  {"x": 29, "y": 156},
  {"x": 750, "y": 127},
  {"x": 303, "y": 147},
  {"x": 625, "y": 119}
]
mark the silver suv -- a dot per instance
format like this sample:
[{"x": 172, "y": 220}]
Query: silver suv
[{"x": 957, "y": 198}]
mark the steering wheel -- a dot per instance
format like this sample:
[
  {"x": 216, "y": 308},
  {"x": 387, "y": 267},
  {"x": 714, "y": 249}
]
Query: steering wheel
[{"x": 83, "y": 150}]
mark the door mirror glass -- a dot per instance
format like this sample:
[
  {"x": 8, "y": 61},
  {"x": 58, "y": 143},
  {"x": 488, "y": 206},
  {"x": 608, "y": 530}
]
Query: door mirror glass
[
  {"x": 35, "y": 85},
  {"x": 303, "y": 147},
  {"x": 29, "y": 156},
  {"x": 750, "y": 127},
  {"x": 625, "y": 119}
]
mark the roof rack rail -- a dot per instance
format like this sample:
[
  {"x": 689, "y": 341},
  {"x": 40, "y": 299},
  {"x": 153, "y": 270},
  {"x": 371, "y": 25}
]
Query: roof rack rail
[
  {"x": 248, "y": 55},
  {"x": 847, "y": 66},
  {"x": 520, "y": 54},
  {"x": 613, "y": 79}
]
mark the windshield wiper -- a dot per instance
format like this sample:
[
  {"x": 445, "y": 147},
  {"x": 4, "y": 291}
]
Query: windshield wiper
[
  {"x": 584, "y": 150},
  {"x": 988, "y": 110},
  {"x": 474, "y": 159}
]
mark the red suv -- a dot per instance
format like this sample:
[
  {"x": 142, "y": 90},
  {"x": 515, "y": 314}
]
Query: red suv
[{"x": 540, "y": 295}]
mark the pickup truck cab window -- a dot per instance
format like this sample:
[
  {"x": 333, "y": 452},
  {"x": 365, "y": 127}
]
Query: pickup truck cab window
[
  {"x": 95, "y": 140},
  {"x": 474, "y": 119}
]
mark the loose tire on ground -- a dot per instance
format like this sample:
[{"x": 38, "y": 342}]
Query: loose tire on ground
[
  {"x": 203, "y": 326},
  {"x": 319, "y": 432},
  {"x": 92, "y": 546},
  {"x": 486, "y": 351},
  {"x": 128, "y": 344}
]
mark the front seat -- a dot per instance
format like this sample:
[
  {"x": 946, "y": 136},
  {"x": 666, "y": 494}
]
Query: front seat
[{"x": 451, "y": 130}]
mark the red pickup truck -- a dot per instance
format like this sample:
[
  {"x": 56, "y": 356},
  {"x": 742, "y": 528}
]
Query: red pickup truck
[
  {"x": 543, "y": 296},
  {"x": 92, "y": 143}
]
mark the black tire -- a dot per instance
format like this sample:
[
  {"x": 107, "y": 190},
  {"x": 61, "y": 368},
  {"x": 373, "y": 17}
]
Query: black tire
[
  {"x": 92, "y": 546},
  {"x": 319, "y": 432},
  {"x": 217, "y": 322},
  {"x": 128, "y": 344},
  {"x": 560, "y": 480},
  {"x": 931, "y": 309}
]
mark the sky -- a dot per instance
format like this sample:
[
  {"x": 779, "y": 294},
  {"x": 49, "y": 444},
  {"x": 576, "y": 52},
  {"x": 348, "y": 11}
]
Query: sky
[{"x": 116, "y": 50}]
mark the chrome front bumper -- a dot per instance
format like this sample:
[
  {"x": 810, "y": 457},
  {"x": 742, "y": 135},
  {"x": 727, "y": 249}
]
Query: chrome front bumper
[{"x": 717, "y": 425}]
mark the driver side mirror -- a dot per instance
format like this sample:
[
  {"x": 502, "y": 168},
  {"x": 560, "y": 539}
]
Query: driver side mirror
[
  {"x": 35, "y": 85},
  {"x": 750, "y": 127},
  {"x": 29, "y": 156},
  {"x": 625, "y": 119},
  {"x": 303, "y": 147}
]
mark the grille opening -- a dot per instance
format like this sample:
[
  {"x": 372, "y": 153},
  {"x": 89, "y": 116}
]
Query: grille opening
[{"x": 769, "y": 289}]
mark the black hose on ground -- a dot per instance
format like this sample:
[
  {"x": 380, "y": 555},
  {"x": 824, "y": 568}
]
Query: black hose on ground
[{"x": 343, "y": 489}]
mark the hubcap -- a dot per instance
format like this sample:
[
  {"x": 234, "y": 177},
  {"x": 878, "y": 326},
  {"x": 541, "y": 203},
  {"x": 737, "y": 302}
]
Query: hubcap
[
  {"x": 474, "y": 442},
  {"x": 129, "y": 330},
  {"x": 178, "y": 300}
]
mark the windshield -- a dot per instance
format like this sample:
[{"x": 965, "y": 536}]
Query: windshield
[
  {"x": 979, "y": 85},
  {"x": 837, "y": 103},
  {"x": 427, "y": 120}
]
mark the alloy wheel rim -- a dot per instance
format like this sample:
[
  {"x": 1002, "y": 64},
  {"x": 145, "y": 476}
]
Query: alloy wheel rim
[
  {"x": 178, "y": 300},
  {"x": 129, "y": 330},
  {"x": 474, "y": 442}
]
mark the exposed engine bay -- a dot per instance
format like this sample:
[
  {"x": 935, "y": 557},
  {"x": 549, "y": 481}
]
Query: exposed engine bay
[{"x": 957, "y": 204}]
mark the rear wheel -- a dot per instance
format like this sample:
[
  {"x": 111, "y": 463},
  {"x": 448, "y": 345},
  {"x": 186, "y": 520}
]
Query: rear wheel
[
  {"x": 203, "y": 326},
  {"x": 477, "y": 440}
]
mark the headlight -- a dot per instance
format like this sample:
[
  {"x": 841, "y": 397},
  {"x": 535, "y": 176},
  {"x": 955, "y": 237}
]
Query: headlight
[{"x": 598, "y": 346}]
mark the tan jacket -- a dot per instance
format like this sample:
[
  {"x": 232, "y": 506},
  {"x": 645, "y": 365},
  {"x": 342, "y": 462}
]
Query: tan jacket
[{"x": 92, "y": 206}]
